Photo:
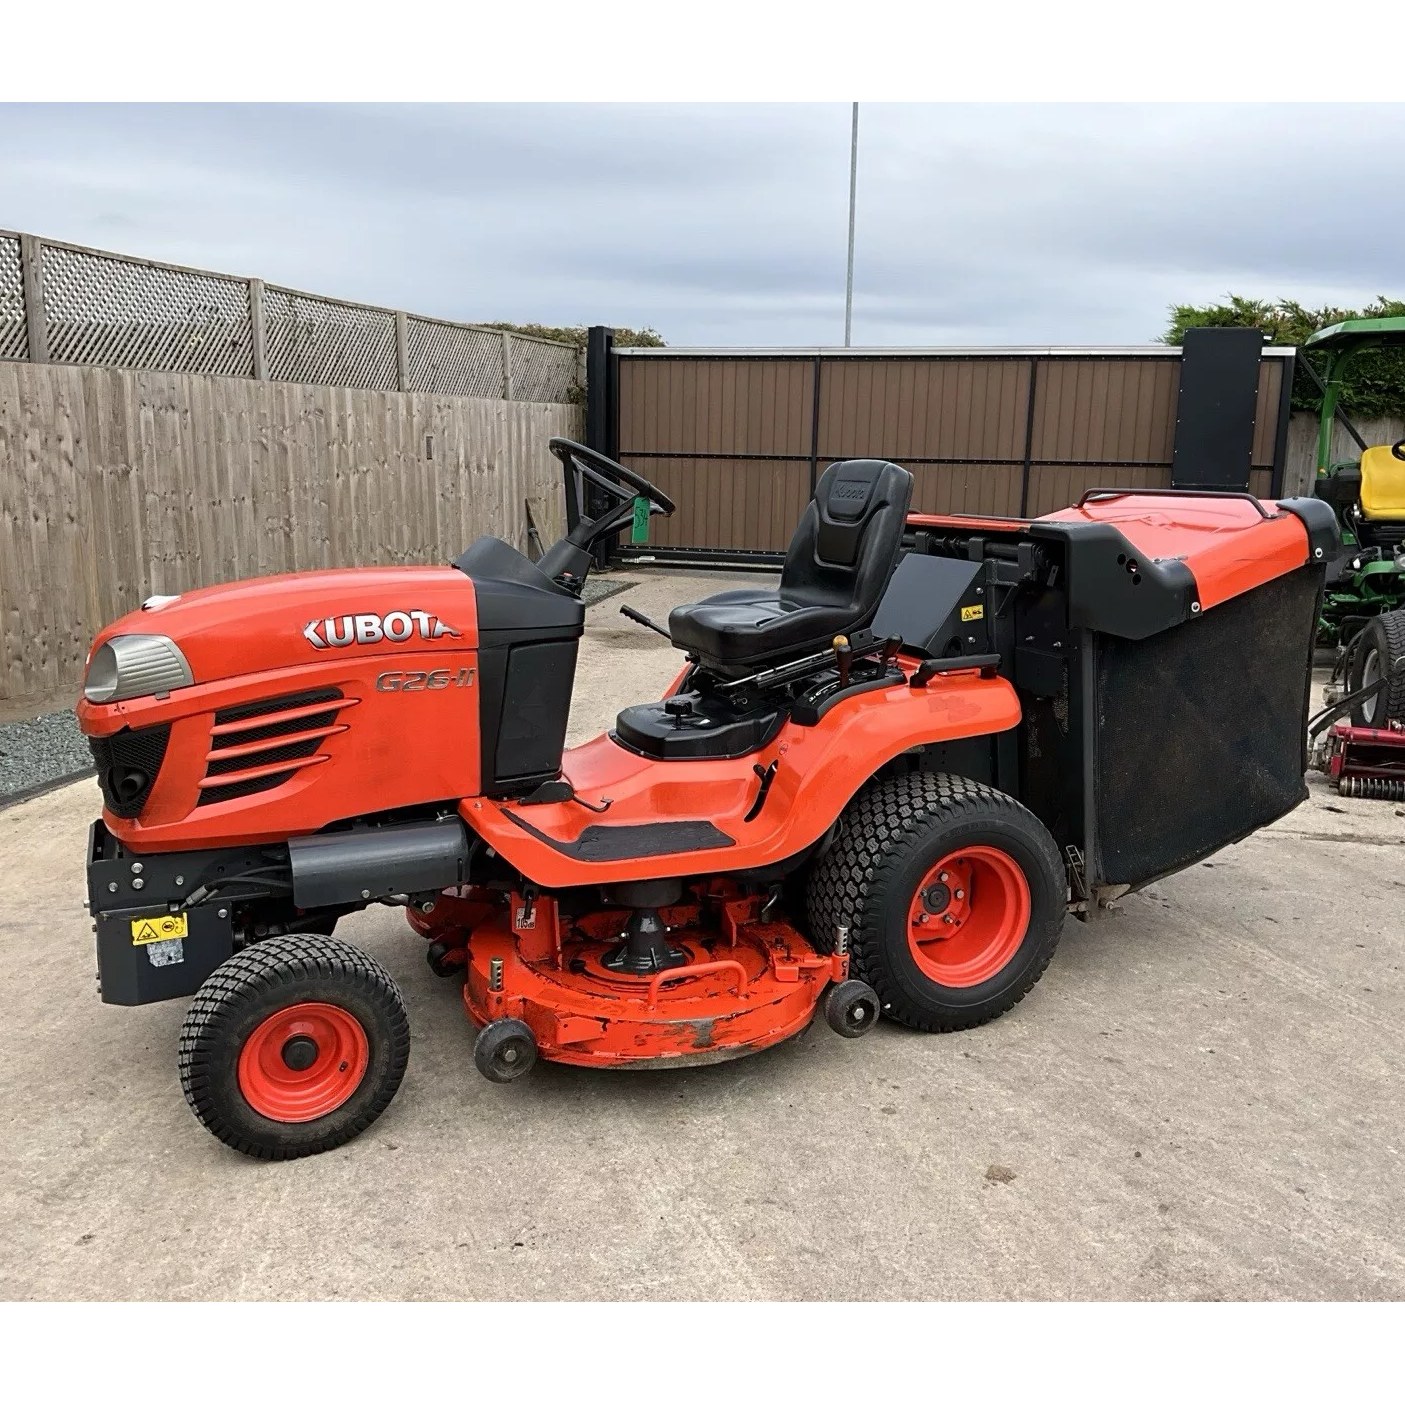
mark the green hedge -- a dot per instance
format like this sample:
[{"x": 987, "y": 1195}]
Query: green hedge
[
  {"x": 624, "y": 336},
  {"x": 1375, "y": 380}
]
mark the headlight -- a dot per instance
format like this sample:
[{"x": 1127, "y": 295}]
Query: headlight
[{"x": 135, "y": 666}]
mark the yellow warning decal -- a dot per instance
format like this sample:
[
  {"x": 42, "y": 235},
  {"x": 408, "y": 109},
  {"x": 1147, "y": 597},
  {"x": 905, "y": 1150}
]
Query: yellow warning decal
[
  {"x": 972, "y": 612},
  {"x": 158, "y": 929}
]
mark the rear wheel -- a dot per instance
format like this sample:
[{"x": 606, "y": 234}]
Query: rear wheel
[
  {"x": 293, "y": 1046},
  {"x": 953, "y": 893},
  {"x": 1378, "y": 652}
]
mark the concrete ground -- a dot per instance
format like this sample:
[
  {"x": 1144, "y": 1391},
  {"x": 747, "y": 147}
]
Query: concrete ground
[{"x": 1203, "y": 1098}]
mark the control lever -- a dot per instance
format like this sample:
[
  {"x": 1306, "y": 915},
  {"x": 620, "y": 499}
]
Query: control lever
[
  {"x": 844, "y": 657},
  {"x": 645, "y": 621}
]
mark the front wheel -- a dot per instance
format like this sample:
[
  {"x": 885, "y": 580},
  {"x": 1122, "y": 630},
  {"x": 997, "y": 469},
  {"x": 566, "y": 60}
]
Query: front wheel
[
  {"x": 954, "y": 895},
  {"x": 293, "y": 1046}
]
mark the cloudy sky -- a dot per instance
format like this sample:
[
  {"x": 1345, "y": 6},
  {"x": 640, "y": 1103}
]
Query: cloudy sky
[{"x": 726, "y": 224}]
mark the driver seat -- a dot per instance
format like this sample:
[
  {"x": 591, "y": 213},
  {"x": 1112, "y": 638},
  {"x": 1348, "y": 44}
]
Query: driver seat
[{"x": 836, "y": 570}]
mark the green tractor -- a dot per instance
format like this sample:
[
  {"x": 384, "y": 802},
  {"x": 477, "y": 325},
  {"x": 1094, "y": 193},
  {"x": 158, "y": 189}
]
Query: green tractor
[{"x": 1362, "y": 612}]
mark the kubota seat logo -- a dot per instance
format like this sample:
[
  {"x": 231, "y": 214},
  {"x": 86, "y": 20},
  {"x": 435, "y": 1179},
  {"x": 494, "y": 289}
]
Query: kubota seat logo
[{"x": 397, "y": 627}]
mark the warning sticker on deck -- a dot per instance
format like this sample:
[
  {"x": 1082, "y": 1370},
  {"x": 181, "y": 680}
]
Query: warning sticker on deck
[
  {"x": 165, "y": 928},
  {"x": 972, "y": 612}
]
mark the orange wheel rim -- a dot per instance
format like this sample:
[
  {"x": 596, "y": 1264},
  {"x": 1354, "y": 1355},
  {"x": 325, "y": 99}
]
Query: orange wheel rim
[
  {"x": 968, "y": 916},
  {"x": 303, "y": 1062}
]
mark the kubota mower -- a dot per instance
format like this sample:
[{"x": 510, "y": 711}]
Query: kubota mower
[{"x": 874, "y": 791}]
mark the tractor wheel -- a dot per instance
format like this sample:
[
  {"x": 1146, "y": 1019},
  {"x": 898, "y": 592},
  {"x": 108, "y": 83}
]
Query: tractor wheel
[
  {"x": 1379, "y": 650},
  {"x": 953, "y": 893},
  {"x": 293, "y": 1046}
]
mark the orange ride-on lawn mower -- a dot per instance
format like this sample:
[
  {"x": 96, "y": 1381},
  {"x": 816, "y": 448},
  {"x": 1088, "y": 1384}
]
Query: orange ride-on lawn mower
[{"x": 875, "y": 791}]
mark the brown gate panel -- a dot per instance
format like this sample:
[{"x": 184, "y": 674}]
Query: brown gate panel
[
  {"x": 958, "y": 425},
  {"x": 728, "y": 440},
  {"x": 727, "y": 504},
  {"x": 738, "y": 438},
  {"x": 715, "y": 407}
]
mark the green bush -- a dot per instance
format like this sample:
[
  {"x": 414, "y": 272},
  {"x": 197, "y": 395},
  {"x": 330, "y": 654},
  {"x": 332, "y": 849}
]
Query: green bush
[
  {"x": 624, "y": 336},
  {"x": 1375, "y": 380}
]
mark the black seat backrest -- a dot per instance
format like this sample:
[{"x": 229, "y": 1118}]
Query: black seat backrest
[{"x": 847, "y": 543}]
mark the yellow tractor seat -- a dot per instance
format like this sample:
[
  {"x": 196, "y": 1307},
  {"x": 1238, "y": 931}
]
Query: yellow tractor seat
[{"x": 1382, "y": 485}]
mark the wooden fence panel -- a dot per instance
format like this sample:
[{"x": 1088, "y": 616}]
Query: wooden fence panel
[{"x": 116, "y": 485}]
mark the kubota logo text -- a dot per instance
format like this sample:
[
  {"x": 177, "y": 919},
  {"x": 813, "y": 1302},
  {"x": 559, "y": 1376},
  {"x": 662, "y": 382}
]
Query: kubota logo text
[{"x": 397, "y": 627}]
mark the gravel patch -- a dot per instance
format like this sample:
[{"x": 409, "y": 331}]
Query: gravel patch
[{"x": 40, "y": 752}]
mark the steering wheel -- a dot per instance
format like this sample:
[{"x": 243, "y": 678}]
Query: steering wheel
[
  {"x": 1398, "y": 448},
  {"x": 622, "y": 484}
]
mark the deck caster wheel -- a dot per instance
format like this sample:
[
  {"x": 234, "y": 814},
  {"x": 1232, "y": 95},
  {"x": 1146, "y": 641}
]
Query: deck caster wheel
[
  {"x": 504, "y": 1051},
  {"x": 851, "y": 1008},
  {"x": 445, "y": 960}
]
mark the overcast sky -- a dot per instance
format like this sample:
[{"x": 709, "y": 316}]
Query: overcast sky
[{"x": 726, "y": 225}]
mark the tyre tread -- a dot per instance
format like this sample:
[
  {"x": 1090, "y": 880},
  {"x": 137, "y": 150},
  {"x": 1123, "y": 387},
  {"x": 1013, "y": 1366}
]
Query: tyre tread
[{"x": 847, "y": 887}]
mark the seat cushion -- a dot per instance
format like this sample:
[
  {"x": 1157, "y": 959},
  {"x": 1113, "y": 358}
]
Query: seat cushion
[
  {"x": 740, "y": 626},
  {"x": 1382, "y": 484}
]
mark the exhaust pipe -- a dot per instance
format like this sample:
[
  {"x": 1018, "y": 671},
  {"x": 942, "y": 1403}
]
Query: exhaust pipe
[{"x": 370, "y": 865}]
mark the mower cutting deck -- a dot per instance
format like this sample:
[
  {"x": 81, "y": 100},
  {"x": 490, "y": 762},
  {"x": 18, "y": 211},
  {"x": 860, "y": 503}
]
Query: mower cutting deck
[{"x": 875, "y": 791}]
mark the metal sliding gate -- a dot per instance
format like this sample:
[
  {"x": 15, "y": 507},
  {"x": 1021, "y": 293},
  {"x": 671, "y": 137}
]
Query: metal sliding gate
[{"x": 737, "y": 438}]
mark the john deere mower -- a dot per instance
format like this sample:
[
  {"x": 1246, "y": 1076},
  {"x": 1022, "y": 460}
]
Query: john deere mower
[
  {"x": 873, "y": 792},
  {"x": 1367, "y": 492}
]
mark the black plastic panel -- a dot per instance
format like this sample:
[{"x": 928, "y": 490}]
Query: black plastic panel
[
  {"x": 536, "y": 706},
  {"x": 711, "y": 730},
  {"x": 923, "y": 605},
  {"x": 1215, "y": 408},
  {"x": 1324, "y": 535},
  {"x": 1114, "y": 588},
  {"x": 1200, "y": 735}
]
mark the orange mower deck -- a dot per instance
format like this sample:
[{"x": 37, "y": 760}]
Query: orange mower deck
[{"x": 747, "y": 984}]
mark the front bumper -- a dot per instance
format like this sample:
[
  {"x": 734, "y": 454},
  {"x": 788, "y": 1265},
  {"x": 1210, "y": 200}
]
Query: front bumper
[{"x": 149, "y": 946}]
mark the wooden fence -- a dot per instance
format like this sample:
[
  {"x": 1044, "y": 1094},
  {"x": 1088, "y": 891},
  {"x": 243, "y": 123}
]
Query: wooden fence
[{"x": 116, "y": 485}]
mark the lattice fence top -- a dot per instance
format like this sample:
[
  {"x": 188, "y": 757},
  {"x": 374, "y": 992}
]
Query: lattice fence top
[
  {"x": 101, "y": 309},
  {"x": 106, "y": 311},
  {"x": 317, "y": 341},
  {"x": 14, "y": 341},
  {"x": 454, "y": 360},
  {"x": 542, "y": 371}
]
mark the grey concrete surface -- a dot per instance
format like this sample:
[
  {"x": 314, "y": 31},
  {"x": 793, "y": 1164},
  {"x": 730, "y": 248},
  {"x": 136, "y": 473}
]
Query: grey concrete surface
[{"x": 1202, "y": 1099}]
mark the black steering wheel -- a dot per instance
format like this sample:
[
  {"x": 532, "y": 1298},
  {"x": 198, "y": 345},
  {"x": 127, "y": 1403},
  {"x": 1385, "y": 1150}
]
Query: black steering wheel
[
  {"x": 1398, "y": 448},
  {"x": 583, "y": 464}
]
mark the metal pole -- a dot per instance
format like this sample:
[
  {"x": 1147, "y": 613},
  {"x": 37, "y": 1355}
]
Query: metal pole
[{"x": 853, "y": 188}]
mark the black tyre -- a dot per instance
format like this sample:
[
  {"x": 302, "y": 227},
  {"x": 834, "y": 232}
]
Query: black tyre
[
  {"x": 953, "y": 893},
  {"x": 293, "y": 1046},
  {"x": 1379, "y": 650},
  {"x": 504, "y": 1051}
]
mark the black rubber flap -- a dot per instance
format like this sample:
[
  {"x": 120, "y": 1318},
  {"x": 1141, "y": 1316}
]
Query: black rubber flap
[{"x": 601, "y": 843}]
